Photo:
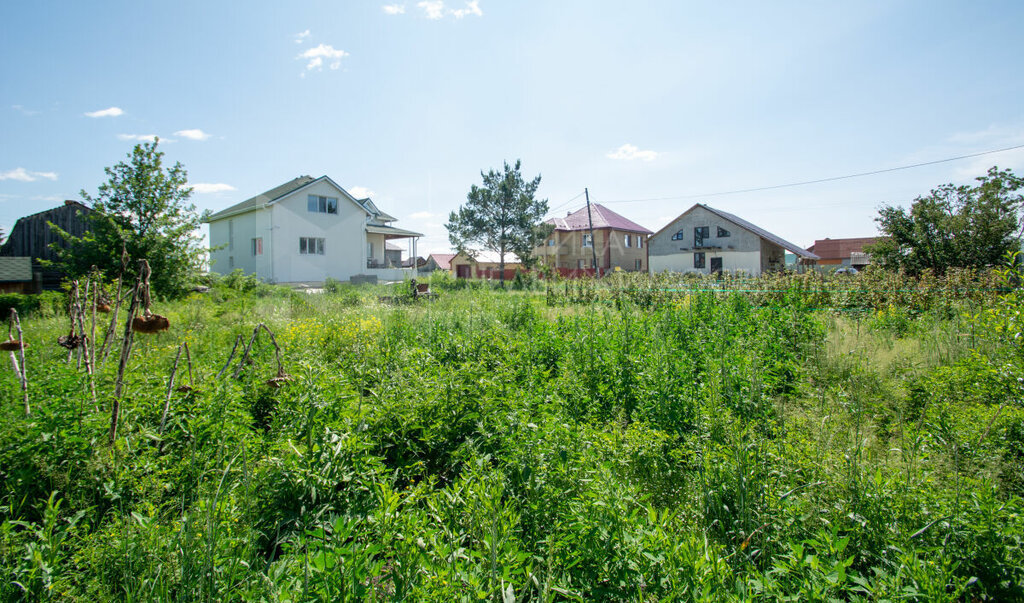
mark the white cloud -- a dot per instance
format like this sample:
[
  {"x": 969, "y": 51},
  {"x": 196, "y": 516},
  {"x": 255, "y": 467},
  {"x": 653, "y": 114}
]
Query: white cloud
[
  {"x": 316, "y": 56},
  {"x": 472, "y": 8},
  {"x": 194, "y": 134},
  {"x": 22, "y": 175},
  {"x": 394, "y": 9},
  {"x": 27, "y": 112},
  {"x": 361, "y": 192},
  {"x": 434, "y": 9},
  {"x": 421, "y": 215},
  {"x": 630, "y": 152},
  {"x": 138, "y": 137},
  {"x": 110, "y": 112},
  {"x": 211, "y": 187},
  {"x": 299, "y": 37}
]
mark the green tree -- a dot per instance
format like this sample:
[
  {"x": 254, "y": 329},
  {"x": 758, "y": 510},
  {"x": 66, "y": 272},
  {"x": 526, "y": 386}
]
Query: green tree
[
  {"x": 143, "y": 208},
  {"x": 502, "y": 216},
  {"x": 953, "y": 227}
]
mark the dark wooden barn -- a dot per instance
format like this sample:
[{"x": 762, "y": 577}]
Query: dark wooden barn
[{"x": 32, "y": 236}]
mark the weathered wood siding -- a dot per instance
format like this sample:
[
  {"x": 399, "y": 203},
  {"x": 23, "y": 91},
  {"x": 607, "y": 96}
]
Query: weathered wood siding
[{"x": 32, "y": 237}]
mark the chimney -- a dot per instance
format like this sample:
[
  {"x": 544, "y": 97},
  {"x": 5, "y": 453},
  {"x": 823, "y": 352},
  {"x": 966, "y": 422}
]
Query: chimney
[{"x": 568, "y": 213}]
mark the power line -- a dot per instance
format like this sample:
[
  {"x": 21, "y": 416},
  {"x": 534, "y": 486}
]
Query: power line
[
  {"x": 820, "y": 180},
  {"x": 552, "y": 211}
]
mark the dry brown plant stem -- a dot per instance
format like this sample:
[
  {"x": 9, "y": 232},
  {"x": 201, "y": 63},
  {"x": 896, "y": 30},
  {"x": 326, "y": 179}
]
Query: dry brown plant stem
[
  {"x": 20, "y": 370},
  {"x": 231, "y": 356},
  {"x": 167, "y": 398},
  {"x": 107, "y": 337},
  {"x": 126, "y": 347},
  {"x": 86, "y": 347}
]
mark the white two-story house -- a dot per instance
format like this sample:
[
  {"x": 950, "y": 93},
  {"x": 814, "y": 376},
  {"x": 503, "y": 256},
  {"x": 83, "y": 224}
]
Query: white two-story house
[{"x": 304, "y": 231}]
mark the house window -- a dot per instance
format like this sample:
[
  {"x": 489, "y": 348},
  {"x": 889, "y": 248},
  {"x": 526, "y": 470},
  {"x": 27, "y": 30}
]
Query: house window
[
  {"x": 551, "y": 242},
  {"x": 588, "y": 240},
  {"x": 723, "y": 232},
  {"x": 311, "y": 246},
  {"x": 321, "y": 204},
  {"x": 699, "y": 234},
  {"x": 698, "y": 259},
  {"x": 579, "y": 264},
  {"x": 257, "y": 246},
  {"x": 231, "y": 235},
  {"x": 678, "y": 236},
  {"x": 629, "y": 241},
  {"x": 638, "y": 265},
  {"x": 640, "y": 241},
  {"x": 369, "y": 250}
]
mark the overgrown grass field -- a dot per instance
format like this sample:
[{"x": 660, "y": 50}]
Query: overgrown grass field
[{"x": 789, "y": 438}]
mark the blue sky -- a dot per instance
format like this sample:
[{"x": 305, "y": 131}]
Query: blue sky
[{"x": 410, "y": 100}]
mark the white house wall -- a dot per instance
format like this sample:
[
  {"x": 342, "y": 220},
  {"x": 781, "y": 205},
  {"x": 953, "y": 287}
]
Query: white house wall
[
  {"x": 234, "y": 237},
  {"x": 344, "y": 237},
  {"x": 732, "y": 261}
]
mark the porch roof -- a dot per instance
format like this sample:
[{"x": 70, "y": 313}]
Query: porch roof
[{"x": 390, "y": 232}]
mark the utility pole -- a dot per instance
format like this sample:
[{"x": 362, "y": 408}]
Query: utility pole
[{"x": 593, "y": 241}]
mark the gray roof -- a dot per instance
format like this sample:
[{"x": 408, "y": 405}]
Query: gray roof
[
  {"x": 764, "y": 234},
  {"x": 264, "y": 198},
  {"x": 15, "y": 269}
]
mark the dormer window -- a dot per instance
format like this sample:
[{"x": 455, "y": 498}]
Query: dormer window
[{"x": 322, "y": 205}]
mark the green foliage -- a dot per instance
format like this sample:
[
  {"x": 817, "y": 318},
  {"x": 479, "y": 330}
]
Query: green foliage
[
  {"x": 502, "y": 217},
  {"x": 637, "y": 439},
  {"x": 143, "y": 209},
  {"x": 953, "y": 227}
]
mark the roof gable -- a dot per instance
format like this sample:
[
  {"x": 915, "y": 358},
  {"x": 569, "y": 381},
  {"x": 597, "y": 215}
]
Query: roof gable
[
  {"x": 602, "y": 217},
  {"x": 443, "y": 260},
  {"x": 279, "y": 192}
]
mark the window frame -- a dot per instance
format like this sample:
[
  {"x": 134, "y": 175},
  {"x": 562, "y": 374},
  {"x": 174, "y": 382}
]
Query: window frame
[
  {"x": 700, "y": 235},
  {"x": 318, "y": 245},
  {"x": 588, "y": 240},
  {"x": 321, "y": 204},
  {"x": 699, "y": 260},
  {"x": 722, "y": 233},
  {"x": 679, "y": 236},
  {"x": 256, "y": 246},
  {"x": 629, "y": 241}
]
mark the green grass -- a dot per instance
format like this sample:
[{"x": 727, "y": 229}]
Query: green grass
[{"x": 639, "y": 439}]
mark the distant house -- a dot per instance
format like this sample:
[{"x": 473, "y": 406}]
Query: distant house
[
  {"x": 484, "y": 264},
  {"x": 616, "y": 241},
  {"x": 707, "y": 240},
  {"x": 16, "y": 275},
  {"x": 845, "y": 252},
  {"x": 438, "y": 261},
  {"x": 32, "y": 237},
  {"x": 306, "y": 230}
]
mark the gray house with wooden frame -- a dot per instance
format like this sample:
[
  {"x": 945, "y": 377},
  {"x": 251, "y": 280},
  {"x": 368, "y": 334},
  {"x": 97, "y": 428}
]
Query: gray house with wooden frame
[{"x": 708, "y": 240}]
